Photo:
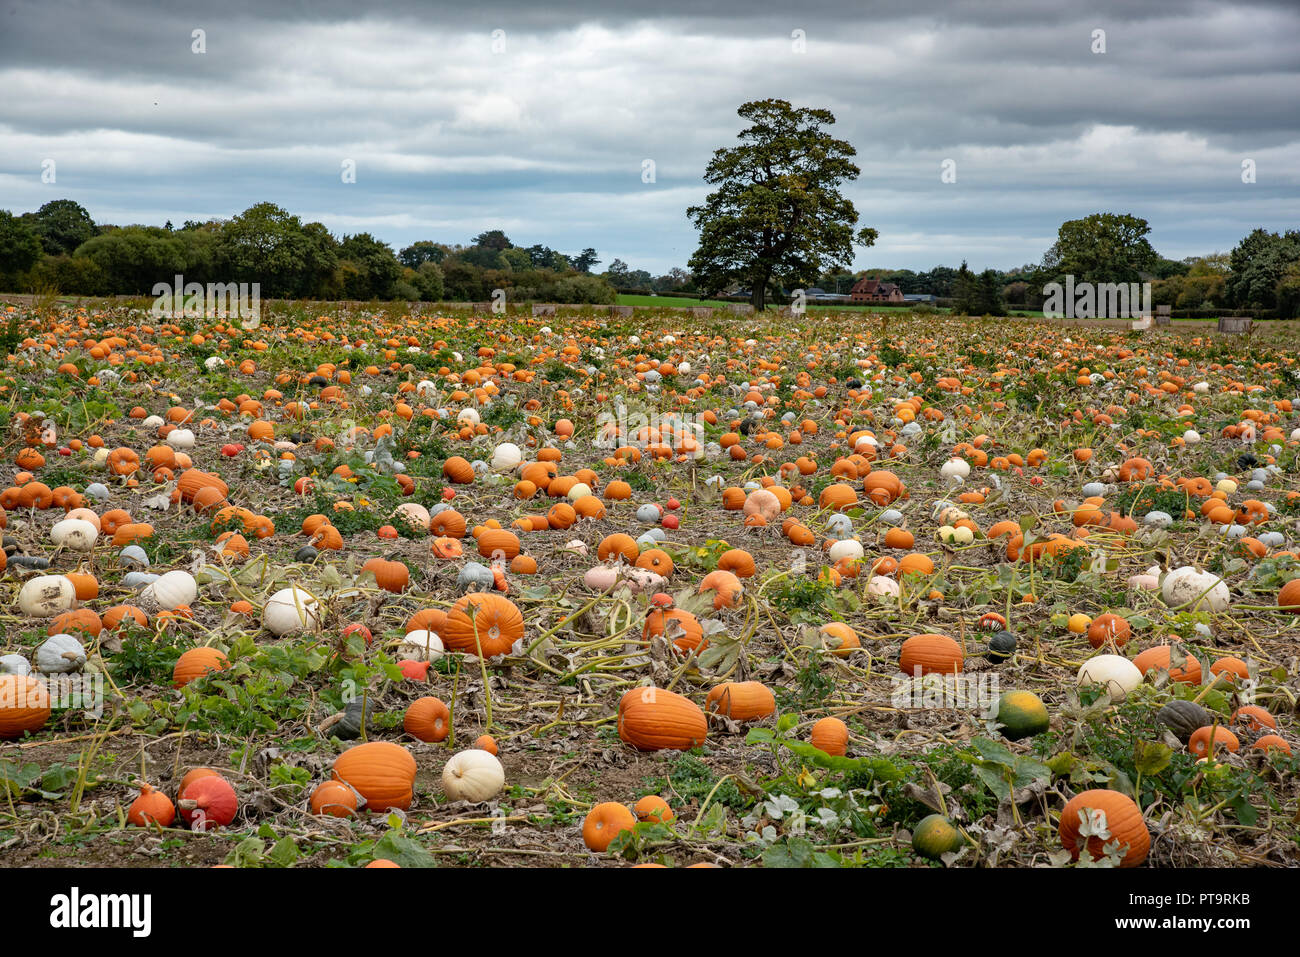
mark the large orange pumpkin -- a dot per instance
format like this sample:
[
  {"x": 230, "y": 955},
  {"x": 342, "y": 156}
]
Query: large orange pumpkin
[
  {"x": 196, "y": 663},
  {"x": 1123, "y": 820},
  {"x": 487, "y": 621},
  {"x": 651, "y": 719},
  {"x": 381, "y": 772},
  {"x": 24, "y": 705},
  {"x": 930, "y": 654}
]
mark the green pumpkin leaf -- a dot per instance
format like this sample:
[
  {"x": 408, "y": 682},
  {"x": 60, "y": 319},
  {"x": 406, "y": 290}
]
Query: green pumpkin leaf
[{"x": 1151, "y": 757}]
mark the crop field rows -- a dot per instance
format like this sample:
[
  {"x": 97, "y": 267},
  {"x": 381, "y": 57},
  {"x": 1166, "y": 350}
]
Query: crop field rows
[{"x": 355, "y": 586}]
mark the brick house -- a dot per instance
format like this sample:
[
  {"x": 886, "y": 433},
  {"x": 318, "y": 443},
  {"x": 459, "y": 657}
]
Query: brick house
[{"x": 873, "y": 290}]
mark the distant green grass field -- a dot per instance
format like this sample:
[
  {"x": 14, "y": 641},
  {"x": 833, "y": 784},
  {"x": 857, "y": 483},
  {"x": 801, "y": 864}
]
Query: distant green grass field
[{"x": 683, "y": 303}]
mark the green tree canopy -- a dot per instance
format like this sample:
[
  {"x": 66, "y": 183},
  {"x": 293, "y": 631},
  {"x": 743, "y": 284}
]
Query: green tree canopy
[
  {"x": 777, "y": 214},
  {"x": 62, "y": 226},
  {"x": 1261, "y": 263},
  {"x": 425, "y": 251},
  {"x": 378, "y": 268},
  {"x": 134, "y": 258},
  {"x": 1103, "y": 247},
  {"x": 270, "y": 246},
  {"x": 493, "y": 239},
  {"x": 20, "y": 247}
]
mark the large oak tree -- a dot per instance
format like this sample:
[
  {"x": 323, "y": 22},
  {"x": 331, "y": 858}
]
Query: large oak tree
[{"x": 777, "y": 215}]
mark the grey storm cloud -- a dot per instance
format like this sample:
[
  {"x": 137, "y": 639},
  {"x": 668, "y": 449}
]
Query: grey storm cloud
[{"x": 545, "y": 134}]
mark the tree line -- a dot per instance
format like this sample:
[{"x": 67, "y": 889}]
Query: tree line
[{"x": 61, "y": 247}]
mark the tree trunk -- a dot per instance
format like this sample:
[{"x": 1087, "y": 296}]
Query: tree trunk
[{"x": 758, "y": 293}]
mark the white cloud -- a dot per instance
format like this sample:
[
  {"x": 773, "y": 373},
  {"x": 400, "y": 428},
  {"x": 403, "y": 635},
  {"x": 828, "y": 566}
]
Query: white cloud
[{"x": 547, "y": 138}]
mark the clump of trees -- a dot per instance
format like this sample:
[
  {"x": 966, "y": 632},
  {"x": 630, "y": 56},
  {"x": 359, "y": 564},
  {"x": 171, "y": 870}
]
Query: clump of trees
[
  {"x": 59, "y": 246},
  {"x": 1261, "y": 273}
]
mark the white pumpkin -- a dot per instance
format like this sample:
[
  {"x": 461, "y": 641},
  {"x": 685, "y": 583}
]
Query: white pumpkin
[
  {"x": 955, "y": 468},
  {"x": 1187, "y": 585},
  {"x": 506, "y": 457},
  {"x": 601, "y": 578},
  {"x": 468, "y": 417},
  {"x": 882, "y": 587},
  {"x": 97, "y": 490},
  {"x": 76, "y": 534},
  {"x": 849, "y": 549},
  {"x": 180, "y": 439},
  {"x": 962, "y": 535},
  {"x": 291, "y": 611},
  {"x": 14, "y": 665},
  {"x": 1115, "y": 672},
  {"x": 474, "y": 775},
  {"x": 421, "y": 645},
  {"x": 46, "y": 596},
  {"x": 173, "y": 589},
  {"x": 60, "y": 654},
  {"x": 414, "y": 514},
  {"x": 578, "y": 491}
]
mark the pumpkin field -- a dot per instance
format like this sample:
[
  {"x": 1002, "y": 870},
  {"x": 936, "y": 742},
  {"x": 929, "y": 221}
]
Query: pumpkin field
[{"x": 356, "y": 587}]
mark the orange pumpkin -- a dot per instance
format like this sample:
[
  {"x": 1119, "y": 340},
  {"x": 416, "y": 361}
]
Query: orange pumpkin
[
  {"x": 334, "y": 798},
  {"x": 196, "y": 663},
  {"x": 1123, "y": 821},
  {"x": 603, "y": 823},
  {"x": 428, "y": 719},
  {"x": 24, "y": 705},
  {"x": 741, "y": 700},
  {"x": 381, "y": 772},
  {"x": 488, "y": 622},
  {"x": 830, "y": 735},
  {"x": 930, "y": 654},
  {"x": 652, "y": 719}
]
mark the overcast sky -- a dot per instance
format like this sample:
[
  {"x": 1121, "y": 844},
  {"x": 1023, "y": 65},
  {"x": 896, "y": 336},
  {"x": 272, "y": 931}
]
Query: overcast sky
[{"x": 543, "y": 129}]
